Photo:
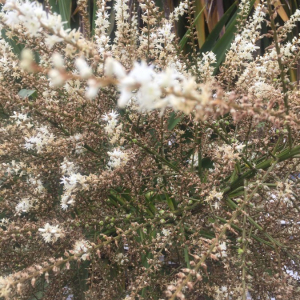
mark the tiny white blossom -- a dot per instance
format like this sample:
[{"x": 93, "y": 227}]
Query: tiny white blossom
[
  {"x": 166, "y": 232},
  {"x": 117, "y": 159},
  {"x": 93, "y": 89},
  {"x": 114, "y": 68},
  {"x": 56, "y": 78},
  {"x": 51, "y": 233},
  {"x": 27, "y": 59},
  {"x": 57, "y": 60},
  {"x": 81, "y": 248},
  {"x": 51, "y": 40},
  {"x": 84, "y": 69},
  {"x": 24, "y": 206}
]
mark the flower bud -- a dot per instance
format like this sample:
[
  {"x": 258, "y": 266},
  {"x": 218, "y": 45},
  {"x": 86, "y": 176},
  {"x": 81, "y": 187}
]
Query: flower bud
[
  {"x": 27, "y": 60},
  {"x": 84, "y": 69},
  {"x": 57, "y": 60}
]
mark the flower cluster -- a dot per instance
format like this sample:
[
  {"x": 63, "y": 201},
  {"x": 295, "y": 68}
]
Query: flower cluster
[
  {"x": 179, "y": 10},
  {"x": 81, "y": 249},
  {"x": 40, "y": 141},
  {"x": 214, "y": 195},
  {"x": 127, "y": 157},
  {"x": 51, "y": 233},
  {"x": 152, "y": 90},
  {"x": 117, "y": 158},
  {"x": 72, "y": 183},
  {"x": 112, "y": 128},
  {"x": 25, "y": 205}
]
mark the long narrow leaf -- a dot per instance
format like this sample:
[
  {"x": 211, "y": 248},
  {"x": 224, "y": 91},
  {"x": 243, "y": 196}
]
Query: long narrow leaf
[
  {"x": 200, "y": 22},
  {"x": 65, "y": 9},
  {"x": 54, "y": 6},
  {"x": 186, "y": 36},
  {"x": 94, "y": 13},
  {"x": 213, "y": 36}
]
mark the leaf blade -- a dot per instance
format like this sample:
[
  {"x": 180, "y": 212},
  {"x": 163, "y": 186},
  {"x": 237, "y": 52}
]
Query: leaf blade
[
  {"x": 65, "y": 9},
  {"x": 213, "y": 36}
]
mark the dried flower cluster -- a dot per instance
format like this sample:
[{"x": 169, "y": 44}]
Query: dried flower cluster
[{"x": 129, "y": 170}]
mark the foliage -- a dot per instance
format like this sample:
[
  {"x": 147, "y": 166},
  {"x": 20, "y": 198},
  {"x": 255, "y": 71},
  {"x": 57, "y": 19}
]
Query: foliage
[{"x": 143, "y": 161}]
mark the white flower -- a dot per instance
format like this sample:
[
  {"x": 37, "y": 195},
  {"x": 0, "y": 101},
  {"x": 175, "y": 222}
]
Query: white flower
[
  {"x": 142, "y": 73},
  {"x": 113, "y": 115},
  {"x": 29, "y": 16},
  {"x": 40, "y": 140},
  {"x": 36, "y": 183},
  {"x": 167, "y": 78},
  {"x": 112, "y": 128},
  {"x": 223, "y": 248},
  {"x": 5, "y": 286},
  {"x": 148, "y": 95},
  {"x": 66, "y": 200},
  {"x": 67, "y": 167},
  {"x": 239, "y": 147},
  {"x": 114, "y": 68},
  {"x": 142, "y": 77},
  {"x": 84, "y": 69},
  {"x": 215, "y": 195},
  {"x": 166, "y": 232},
  {"x": 24, "y": 206},
  {"x": 33, "y": 26},
  {"x": 77, "y": 139},
  {"x": 81, "y": 248},
  {"x": 19, "y": 116},
  {"x": 4, "y": 221},
  {"x": 112, "y": 121},
  {"x": 165, "y": 30},
  {"x": 56, "y": 78},
  {"x": 125, "y": 95},
  {"x": 51, "y": 40},
  {"x": 11, "y": 19},
  {"x": 93, "y": 88},
  {"x": 117, "y": 159},
  {"x": 194, "y": 160},
  {"x": 51, "y": 233},
  {"x": 70, "y": 182},
  {"x": 57, "y": 60},
  {"x": 27, "y": 60}
]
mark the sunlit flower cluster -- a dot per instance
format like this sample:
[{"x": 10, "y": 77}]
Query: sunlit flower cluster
[
  {"x": 135, "y": 164},
  {"x": 51, "y": 233}
]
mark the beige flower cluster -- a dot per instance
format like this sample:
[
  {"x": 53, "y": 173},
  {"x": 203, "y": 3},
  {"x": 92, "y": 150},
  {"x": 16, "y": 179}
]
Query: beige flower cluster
[{"x": 132, "y": 169}]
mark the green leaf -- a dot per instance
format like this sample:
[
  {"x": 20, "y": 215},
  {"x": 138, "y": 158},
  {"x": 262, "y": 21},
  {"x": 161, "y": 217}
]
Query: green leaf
[
  {"x": 65, "y": 8},
  {"x": 213, "y": 36},
  {"x": 94, "y": 13},
  {"x": 261, "y": 125},
  {"x": 171, "y": 203},
  {"x": 42, "y": 286},
  {"x": 27, "y": 93},
  {"x": 54, "y": 6},
  {"x": 173, "y": 121},
  {"x": 82, "y": 276},
  {"x": 200, "y": 23},
  {"x": 150, "y": 199},
  {"x": 185, "y": 250},
  {"x": 207, "y": 163},
  {"x": 237, "y": 192}
]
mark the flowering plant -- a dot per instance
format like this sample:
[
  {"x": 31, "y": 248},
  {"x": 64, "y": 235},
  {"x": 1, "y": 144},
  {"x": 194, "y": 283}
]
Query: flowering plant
[{"x": 137, "y": 167}]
